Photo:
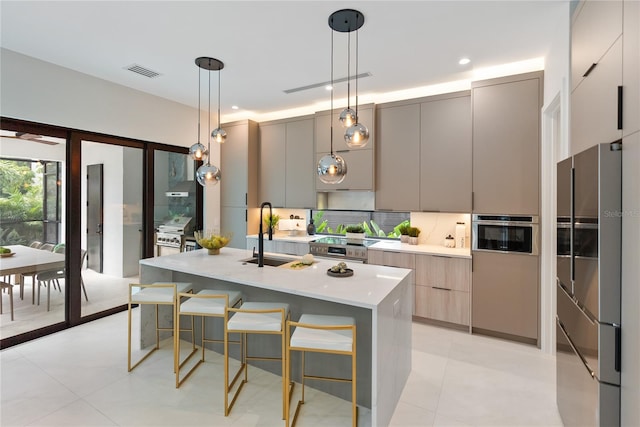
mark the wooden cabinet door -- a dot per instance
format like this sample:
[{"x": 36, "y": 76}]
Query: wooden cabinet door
[
  {"x": 594, "y": 103},
  {"x": 596, "y": 26},
  {"x": 445, "y": 155},
  {"x": 506, "y": 145},
  {"x": 299, "y": 165},
  {"x": 445, "y": 305},
  {"x": 234, "y": 166},
  {"x": 392, "y": 259},
  {"x": 398, "y": 162},
  {"x": 359, "y": 171},
  {"x": 272, "y": 163}
]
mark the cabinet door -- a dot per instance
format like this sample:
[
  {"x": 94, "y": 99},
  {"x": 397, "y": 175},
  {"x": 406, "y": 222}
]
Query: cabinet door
[
  {"x": 442, "y": 304},
  {"x": 443, "y": 272},
  {"x": 234, "y": 167},
  {"x": 272, "y": 169},
  {"x": 300, "y": 166},
  {"x": 252, "y": 243},
  {"x": 323, "y": 121},
  {"x": 594, "y": 104},
  {"x": 595, "y": 28},
  {"x": 398, "y": 162},
  {"x": 392, "y": 259},
  {"x": 445, "y": 155},
  {"x": 233, "y": 220},
  {"x": 506, "y": 125},
  {"x": 359, "y": 171}
]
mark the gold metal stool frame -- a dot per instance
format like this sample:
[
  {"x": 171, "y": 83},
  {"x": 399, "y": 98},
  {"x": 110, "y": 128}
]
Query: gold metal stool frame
[
  {"x": 303, "y": 350},
  {"x": 285, "y": 316},
  {"x": 155, "y": 303},
  {"x": 213, "y": 295}
]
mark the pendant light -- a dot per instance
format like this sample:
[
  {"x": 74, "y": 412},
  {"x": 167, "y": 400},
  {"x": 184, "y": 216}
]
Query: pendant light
[
  {"x": 332, "y": 168},
  {"x": 219, "y": 135},
  {"x": 209, "y": 175},
  {"x": 346, "y": 21},
  {"x": 198, "y": 151},
  {"x": 348, "y": 116}
]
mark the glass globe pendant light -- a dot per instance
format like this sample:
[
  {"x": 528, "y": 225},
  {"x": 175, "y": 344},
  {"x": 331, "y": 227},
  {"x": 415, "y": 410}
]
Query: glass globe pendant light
[
  {"x": 332, "y": 169},
  {"x": 198, "y": 151},
  {"x": 209, "y": 175},
  {"x": 357, "y": 135},
  {"x": 219, "y": 135}
]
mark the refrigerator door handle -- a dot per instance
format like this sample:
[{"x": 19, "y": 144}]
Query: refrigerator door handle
[
  {"x": 575, "y": 350},
  {"x": 618, "y": 333}
]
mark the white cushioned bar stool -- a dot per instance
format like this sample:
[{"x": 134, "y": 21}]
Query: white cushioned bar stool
[
  {"x": 267, "y": 318},
  {"x": 206, "y": 303},
  {"x": 323, "y": 334},
  {"x": 156, "y": 294}
]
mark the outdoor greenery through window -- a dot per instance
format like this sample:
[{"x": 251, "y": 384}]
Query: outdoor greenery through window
[
  {"x": 29, "y": 202},
  {"x": 375, "y": 224}
]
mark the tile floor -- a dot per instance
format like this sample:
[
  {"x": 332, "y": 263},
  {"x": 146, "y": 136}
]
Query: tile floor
[{"x": 79, "y": 378}]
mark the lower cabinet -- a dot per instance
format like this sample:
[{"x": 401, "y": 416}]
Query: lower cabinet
[{"x": 443, "y": 288}]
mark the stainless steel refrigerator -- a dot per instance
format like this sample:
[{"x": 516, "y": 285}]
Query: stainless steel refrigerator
[{"x": 588, "y": 286}]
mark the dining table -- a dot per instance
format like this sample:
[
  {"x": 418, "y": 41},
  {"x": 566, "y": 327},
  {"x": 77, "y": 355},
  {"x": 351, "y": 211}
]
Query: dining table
[{"x": 26, "y": 260}]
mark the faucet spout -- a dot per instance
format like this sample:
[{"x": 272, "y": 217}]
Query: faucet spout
[{"x": 261, "y": 234}]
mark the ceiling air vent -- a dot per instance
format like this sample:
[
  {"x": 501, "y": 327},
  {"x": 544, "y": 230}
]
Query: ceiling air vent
[
  {"x": 323, "y": 84},
  {"x": 139, "y": 69}
]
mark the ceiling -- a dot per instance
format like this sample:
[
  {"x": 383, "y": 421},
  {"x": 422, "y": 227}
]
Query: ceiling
[{"x": 269, "y": 47}]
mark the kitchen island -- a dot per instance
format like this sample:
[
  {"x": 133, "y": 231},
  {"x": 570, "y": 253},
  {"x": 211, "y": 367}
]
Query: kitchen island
[{"x": 379, "y": 298}]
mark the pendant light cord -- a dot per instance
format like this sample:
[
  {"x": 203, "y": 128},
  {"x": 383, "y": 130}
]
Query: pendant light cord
[
  {"x": 209, "y": 116},
  {"x": 357, "y": 55},
  {"x": 331, "y": 111},
  {"x": 199, "y": 78},
  {"x": 349, "y": 70},
  {"x": 219, "y": 98}
]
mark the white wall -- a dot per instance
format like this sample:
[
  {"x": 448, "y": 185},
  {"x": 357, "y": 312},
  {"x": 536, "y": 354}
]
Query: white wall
[{"x": 42, "y": 92}]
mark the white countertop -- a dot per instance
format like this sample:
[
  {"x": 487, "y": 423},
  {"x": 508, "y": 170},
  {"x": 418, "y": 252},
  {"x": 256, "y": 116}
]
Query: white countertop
[
  {"x": 368, "y": 286},
  {"x": 397, "y": 246}
]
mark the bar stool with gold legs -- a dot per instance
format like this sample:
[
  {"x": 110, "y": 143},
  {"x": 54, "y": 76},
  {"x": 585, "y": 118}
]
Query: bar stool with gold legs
[
  {"x": 254, "y": 318},
  {"x": 322, "y": 334},
  {"x": 206, "y": 303},
  {"x": 156, "y": 294}
]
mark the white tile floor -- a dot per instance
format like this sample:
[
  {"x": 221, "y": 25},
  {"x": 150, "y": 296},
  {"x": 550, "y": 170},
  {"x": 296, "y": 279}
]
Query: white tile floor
[{"x": 79, "y": 378}]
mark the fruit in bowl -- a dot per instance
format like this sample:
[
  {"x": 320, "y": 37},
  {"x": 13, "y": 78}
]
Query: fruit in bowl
[{"x": 211, "y": 241}]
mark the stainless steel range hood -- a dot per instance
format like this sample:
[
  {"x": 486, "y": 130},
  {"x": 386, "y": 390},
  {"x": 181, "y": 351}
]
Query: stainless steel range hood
[{"x": 182, "y": 189}]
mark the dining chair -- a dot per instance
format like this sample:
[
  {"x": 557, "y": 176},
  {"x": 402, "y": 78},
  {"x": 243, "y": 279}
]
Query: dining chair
[
  {"x": 9, "y": 288},
  {"x": 52, "y": 277},
  {"x": 47, "y": 247}
]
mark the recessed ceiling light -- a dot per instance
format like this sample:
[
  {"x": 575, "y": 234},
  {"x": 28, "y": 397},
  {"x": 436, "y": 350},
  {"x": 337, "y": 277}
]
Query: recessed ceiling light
[
  {"x": 234, "y": 107},
  {"x": 328, "y": 87},
  {"x": 464, "y": 61}
]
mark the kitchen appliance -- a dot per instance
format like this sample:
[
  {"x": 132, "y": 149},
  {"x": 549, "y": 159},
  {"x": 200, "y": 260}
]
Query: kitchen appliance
[
  {"x": 171, "y": 236},
  {"x": 506, "y": 277},
  {"x": 505, "y": 233},
  {"x": 182, "y": 189},
  {"x": 588, "y": 347},
  {"x": 337, "y": 247}
]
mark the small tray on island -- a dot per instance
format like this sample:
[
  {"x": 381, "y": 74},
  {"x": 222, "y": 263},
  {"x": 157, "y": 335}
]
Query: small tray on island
[
  {"x": 7, "y": 254},
  {"x": 347, "y": 273}
]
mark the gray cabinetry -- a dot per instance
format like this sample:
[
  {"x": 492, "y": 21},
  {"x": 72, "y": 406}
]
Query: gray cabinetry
[
  {"x": 360, "y": 161},
  {"x": 238, "y": 186},
  {"x": 506, "y": 144},
  {"x": 287, "y": 174},
  {"x": 631, "y": 67},
  {"x": 398, "y": 162},
  {"x": 445, "y": 154}
]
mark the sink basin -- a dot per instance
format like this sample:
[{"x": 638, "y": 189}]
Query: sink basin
[{"x": 270, "y": 261}]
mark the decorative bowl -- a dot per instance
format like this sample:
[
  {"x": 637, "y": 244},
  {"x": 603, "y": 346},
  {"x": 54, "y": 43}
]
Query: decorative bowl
[{"x": 211, "y": 241}]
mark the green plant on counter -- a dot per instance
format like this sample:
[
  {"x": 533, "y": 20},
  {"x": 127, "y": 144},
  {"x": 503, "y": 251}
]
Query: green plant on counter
[
  {"x": 271, "y": 221},
  {"x": 354, "y": 228},
  {"x": 403, "y": 228},
  {"x": 413, "y": 232}
]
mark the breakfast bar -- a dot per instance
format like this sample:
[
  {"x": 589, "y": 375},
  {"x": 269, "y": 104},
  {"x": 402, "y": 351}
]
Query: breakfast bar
[{"x": 379, "y": 298}]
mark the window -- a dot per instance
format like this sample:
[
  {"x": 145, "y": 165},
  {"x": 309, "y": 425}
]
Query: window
[{"x": 376, "y": 224}]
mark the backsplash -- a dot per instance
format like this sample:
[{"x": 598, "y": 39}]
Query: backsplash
[{"x": 434, "y": 227}]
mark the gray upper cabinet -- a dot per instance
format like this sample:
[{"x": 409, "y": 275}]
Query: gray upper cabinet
[
  {"x": 398, "y": 162},
  {"x": 506, "y": 144},
  {"x": 631, "y": 67},
  {"x": 287, "y": 173},
  {"x": 239, "y": 183},
  {"x": 299, "y": 164},
  {"x": 360, "y": 161},
  {"x": 272, "y": 163},
  {"x": 445, "y": 154},
  {"x": 596, "y": 26}
]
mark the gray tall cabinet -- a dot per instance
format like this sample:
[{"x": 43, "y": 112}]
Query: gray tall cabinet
[{"x": 239, "y": 183}]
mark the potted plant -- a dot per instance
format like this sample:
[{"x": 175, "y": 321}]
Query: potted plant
[
  {"x": 413, "y": 233},
  {"x": 271, "y": 222},
  {"x": 355, "y": 233},
  {"x": 404, "y": 232}
]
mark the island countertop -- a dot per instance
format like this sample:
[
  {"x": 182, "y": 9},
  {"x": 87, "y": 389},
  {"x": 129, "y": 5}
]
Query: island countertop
[{"x": 368, "y": 287}]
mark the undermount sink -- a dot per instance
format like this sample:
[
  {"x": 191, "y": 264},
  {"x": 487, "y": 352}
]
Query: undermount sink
[{"x": 270, "y": 261}]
